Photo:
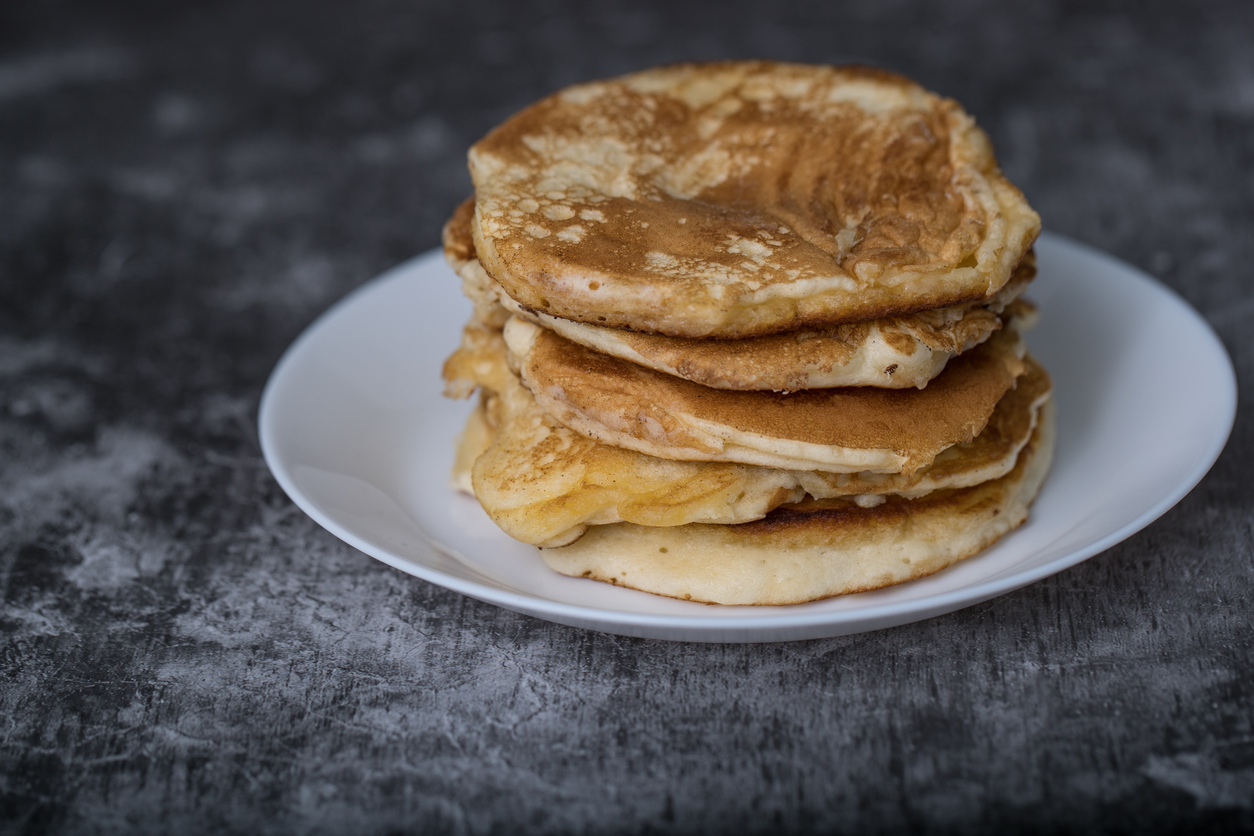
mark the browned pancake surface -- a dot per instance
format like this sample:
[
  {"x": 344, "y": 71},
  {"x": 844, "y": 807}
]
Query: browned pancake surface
[
  {"x": 744, "y": 198},
  {"x": 673, "y": 417}
]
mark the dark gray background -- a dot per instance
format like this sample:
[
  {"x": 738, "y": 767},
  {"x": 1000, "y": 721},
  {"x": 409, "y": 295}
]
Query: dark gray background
[{"x": 185, "y": 186}]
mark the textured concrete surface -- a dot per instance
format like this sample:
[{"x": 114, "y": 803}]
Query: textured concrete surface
[{"x": 183, "y": 187}]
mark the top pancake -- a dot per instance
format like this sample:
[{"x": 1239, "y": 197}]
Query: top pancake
[{"x": 744, "y": 198}]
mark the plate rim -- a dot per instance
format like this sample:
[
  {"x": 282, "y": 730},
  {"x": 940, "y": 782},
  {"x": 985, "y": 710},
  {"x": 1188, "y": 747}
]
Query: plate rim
[{"x": 727, "y": 628}]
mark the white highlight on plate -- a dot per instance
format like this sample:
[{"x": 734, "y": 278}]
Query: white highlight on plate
[{"x": 355, "y": 430}]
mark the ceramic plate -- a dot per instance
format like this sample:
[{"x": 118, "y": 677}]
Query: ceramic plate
[{"x": 355, "y": 430}]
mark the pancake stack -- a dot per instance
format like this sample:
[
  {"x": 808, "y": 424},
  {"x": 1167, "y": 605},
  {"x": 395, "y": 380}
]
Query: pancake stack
[{"x": 748, "y": 333}]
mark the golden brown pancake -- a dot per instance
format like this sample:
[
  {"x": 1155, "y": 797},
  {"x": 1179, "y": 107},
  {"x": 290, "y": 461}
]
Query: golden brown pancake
[
  {"x": 744, "y": 198},
  {"x": 815, "y": 549},
  {"x": 896, "y": 352},
  {"x": 544, "y": 484},
  {"x": 842, "y": 430}
]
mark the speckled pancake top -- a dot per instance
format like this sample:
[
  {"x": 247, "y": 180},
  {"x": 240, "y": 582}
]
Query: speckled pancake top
[{"x": 744, "y": 198}]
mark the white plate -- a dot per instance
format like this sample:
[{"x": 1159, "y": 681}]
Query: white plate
[{"x": 355, "y": 430}]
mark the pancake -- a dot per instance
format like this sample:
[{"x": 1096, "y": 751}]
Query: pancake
[
  {"x": 815, "y": 549},
  {"x": 740, "y": 199},
  {"x": 896, "y": 352},
  {"x": 842, "y": 430},
  {"x": 545, "y": 484}
]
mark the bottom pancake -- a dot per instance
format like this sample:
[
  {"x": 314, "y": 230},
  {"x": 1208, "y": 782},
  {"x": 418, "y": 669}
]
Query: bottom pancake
[{"x": 814, "y": 549}]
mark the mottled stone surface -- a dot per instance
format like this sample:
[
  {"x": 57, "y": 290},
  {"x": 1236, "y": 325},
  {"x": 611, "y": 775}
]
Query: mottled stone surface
[{"x": 185, "y": 186}]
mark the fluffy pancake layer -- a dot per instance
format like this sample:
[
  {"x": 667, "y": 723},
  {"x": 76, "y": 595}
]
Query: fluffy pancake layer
[
  {"x": 895, "y": 352},
  {"x": 744, "y": 198},
  {"x": 545, "y": 484},
  {"x": 840, "y": 430},
  {"x": 815, "y": 549}
]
